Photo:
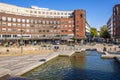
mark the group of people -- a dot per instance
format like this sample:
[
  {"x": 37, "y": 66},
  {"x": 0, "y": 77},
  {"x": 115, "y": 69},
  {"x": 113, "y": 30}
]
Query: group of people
[{"x": 56, "y": 47}]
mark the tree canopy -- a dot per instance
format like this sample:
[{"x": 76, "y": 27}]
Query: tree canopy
[
  {"x": 93, "y": 32},
  {"x": 104, "y": 32}
]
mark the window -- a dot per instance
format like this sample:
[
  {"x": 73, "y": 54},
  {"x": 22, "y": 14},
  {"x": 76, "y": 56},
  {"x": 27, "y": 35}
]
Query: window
[
  {"x": 65, "y": 25},
  {"x": 4, "y": 36},
  {"x": 19, "y": 30},
  {"x": 23, "y": 20},
  {"x": 9, "y": 29},
  {"x": 47, "y": 30},
  {"x": 39, "y": 21},
  {"x": 69, "y": 21},
  {"x": 43, "y": 30},
  {"x": 19, "y": 25},
  {"x": 31, "y": 21},
  {"x": 69, "y": 25},
  {"x": 54, "y": 22},
  {"x": 61, "y": 13},
  {"x": 35, "y": 12},
  {"x": 31, "y": 11},
  {"x": 54, "y": 13},
  {"x": 9, "y": 19},
  {"x": 58, "y": 13},
  {"x": 13, "y": 29},
  {"x": 43, "y": 22},
  {"x": 39, "y": 30},
  {"x": 9, "y": 24},
  {"x": 35, "y": 21},
  {"x": 47, "y": 12},
  {"x": 23, "y": 25},
  {"x": 3, "y": 18},
  {"x": 3, "y": 29},
  {"x": 14, "y": 24},
  {"x": 27, "y": 21},
  {"x": 39, "y": 12},
  {"x": 19, "y": 20},
  {"x": 69, "y": 13},
  {"x": 14, "y": 35},
  {"x": 81, "y": 15},
  {"x": 27, "y": 30},
  {"x": 14, "y": 19},
  {"x": 28, "y": 25},
  {"x": 65, "y": 13},
  {"x": 58, "y": 26},
  {"x": 47, "y": 22},
  {"x": 3, "y": 24},
  {"x": 51, "y": 13},
  {"x": 50, "y": 22},
  {"x": 58, "y": 22},
  {"x": 43, "y": 12}
]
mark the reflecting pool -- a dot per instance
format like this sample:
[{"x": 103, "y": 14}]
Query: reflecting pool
[{"x": 80, "y": 66}]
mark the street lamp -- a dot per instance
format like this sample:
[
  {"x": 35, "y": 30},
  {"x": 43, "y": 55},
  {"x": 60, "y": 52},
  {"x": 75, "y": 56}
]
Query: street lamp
[{"x": 21, "y": 41}]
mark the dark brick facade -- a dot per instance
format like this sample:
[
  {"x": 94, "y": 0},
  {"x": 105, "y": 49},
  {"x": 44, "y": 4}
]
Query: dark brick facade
[{"x": 116, "y": 21}]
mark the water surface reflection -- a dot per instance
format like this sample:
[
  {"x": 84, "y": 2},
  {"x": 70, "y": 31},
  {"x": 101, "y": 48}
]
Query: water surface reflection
[{"x": 80, "y": 66}]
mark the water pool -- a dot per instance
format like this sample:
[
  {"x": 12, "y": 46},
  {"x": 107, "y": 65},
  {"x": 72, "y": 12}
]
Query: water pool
[{"x": 80, "y": 66}]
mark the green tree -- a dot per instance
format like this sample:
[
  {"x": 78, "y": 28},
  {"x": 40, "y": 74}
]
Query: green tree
[
  {"x": 104, "y": 32},
  {"x": 93, "y": 32}
]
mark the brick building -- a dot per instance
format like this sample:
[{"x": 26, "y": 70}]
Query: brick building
[
  {"x": 114, "y": 24},
  {"x": 41, "y": 23}
]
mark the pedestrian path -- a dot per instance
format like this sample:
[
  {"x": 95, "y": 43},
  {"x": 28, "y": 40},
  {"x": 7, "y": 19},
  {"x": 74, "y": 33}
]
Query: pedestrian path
[{"x": 16, "y": 66}]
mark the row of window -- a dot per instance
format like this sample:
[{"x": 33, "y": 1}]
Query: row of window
[
  {"x": 7, "y": 36},
  {"x": 50, "y": 13},
  {"x": 31, "y": 30},
  {"x": 26, "y": 30},
  {"x": 9, "y": 19},
  {"x": 19, "y": 10},
  {"x": 4, "y": 24}
]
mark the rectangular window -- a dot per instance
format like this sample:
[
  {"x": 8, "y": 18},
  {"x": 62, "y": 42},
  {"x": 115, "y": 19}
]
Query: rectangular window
[
  {"x": 19, "y": 25},
  {"x": 27, "y": 20},
  {"x": 3, "y": 29},
  {"x": 19, "y": 20},
  {"x": 23, "y": 25},
  {"x": 51, "y": 13},
  {"x": 9, "y": 29},
  {"x": 14, "y": 35},
  {"x": 14, "y": 24},
  {"x": 9, "y": 24},
  {"x": 23, "y": 20},
  {"x": 3, "y": 24},
  {"x": 9, "y": 19},
  {"x": 31, "y": 21},
  {"x": 13, "y": 29},
  {"x": 14, "y": 19},
  {"x": 4, "y": 36},
  {"x": 3, "y": 18},
  {"x": 28, "y": 25},
  {"x": 27, "y": 30},
  {"x": 19, "y": 30}
]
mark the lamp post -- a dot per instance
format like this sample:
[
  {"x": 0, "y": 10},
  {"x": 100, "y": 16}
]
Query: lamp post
[{"x": 21, "y": 41}]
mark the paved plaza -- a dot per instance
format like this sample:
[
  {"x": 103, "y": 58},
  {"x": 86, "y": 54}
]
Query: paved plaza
[{"x": 15, "y": 65}]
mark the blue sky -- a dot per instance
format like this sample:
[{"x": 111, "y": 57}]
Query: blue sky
[{"x": 97, "y": 11}]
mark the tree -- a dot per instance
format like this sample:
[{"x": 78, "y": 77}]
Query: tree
[
  {"x": 104, "y": 32},
  {"x": 93, "y": 32}
]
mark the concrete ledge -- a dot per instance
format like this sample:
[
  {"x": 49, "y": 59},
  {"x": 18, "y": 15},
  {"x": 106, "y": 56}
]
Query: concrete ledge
[
  {"x": 4, "y": 72},
  {"x": 109, "y": 56},
  {"x": 25, "y": 69}
]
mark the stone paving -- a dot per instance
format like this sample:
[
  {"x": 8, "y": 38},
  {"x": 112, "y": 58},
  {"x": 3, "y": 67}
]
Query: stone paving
[{"x": 17, "y": 65}]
